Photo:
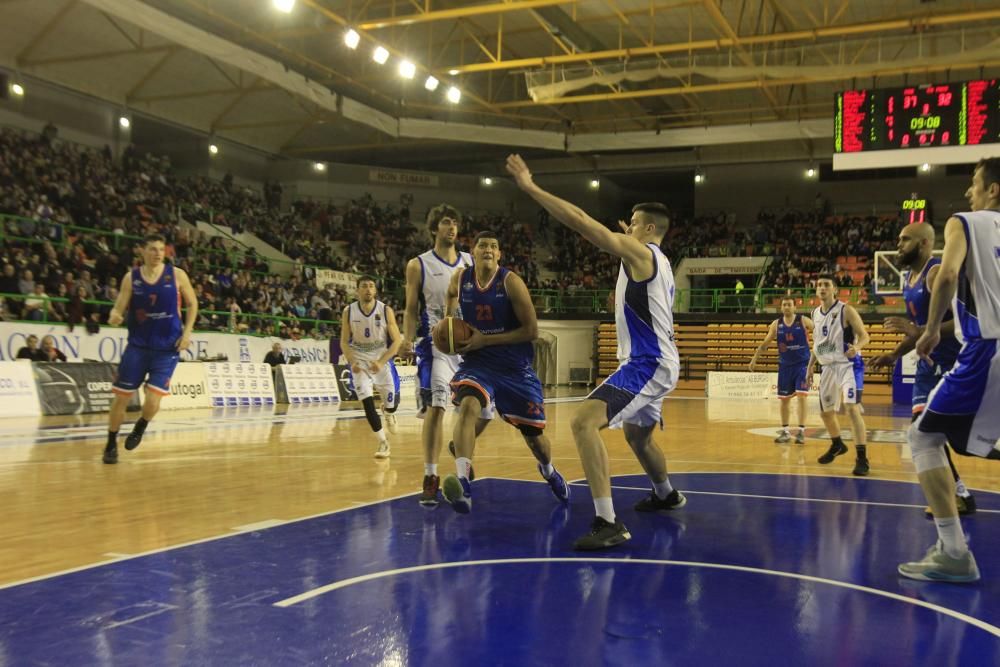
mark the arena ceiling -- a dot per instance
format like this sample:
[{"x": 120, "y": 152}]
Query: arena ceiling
[{"x": 557, "y": 78}]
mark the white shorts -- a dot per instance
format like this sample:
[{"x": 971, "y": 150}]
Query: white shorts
[
  {"x": 386, "y": 381},
  {"x": 435, "y": 371},
  {"x": 634, "y": 393},
  {"x": 838, "y": 385}
]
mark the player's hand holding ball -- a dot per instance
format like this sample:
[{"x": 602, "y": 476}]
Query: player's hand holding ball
[{"x": 451, "y": 335}]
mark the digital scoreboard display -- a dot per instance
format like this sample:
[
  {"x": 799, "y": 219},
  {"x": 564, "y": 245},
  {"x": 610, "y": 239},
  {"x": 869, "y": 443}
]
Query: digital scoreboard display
[
  {"x": 916, "y": 210},
  {"x": 949, "y": 114}
]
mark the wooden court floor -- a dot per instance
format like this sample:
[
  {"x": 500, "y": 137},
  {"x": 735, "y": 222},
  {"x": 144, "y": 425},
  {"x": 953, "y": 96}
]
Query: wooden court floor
[{"x": 203, "y": 474}]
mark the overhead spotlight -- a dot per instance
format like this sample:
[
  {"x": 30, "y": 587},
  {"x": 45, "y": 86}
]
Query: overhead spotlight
[
  {"x": 319, "y": 166},
  {"x": 17, "y": 89},
  {"x": 925, "y": 167},
  {"x": 124, "y": 122},
  {"x": 352, "y": 38},
  {"x": 380, "y": 55},
  {"x": 699, "y": 176},
  {"x": 487, "y": 181},
  {"x": 454, "y": 95},
  {"x": 407, "y": 69},
  {"x": 431, "y": 83},
  {"x": 810, "y": 172},
  {"x": 285, "y": 6},
  {"x": 595, "y": 184},
  {"x": 213, "y": 149},
  {"x": 453, "y": 72}
]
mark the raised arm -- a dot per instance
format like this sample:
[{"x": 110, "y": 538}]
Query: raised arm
[
  {"x": 117, "y": 314},
  {"x": 772, "y": 333},
  {"x": 410, "y": 314},
  {"x": 633, "y": 253}
]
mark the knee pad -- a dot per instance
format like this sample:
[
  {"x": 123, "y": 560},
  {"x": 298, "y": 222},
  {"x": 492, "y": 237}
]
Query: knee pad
[
  {"x": 927, "y": 448},
  {"x": 371, "y": 414},
  {"x": 529, "y": 431}
]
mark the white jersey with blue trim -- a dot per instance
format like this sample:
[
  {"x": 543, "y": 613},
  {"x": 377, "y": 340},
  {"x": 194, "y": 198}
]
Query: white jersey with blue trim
[
  {"x": 831, "y": 335},
  {"x": 369, "y": 332},
  {"x": 643, "y": 313},
  {"x": 435, "y": 276},
  {"x": 977, "y": 299}
]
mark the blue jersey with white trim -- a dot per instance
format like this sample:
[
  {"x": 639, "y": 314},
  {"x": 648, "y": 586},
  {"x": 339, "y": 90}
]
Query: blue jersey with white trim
[
  {"x": 489, "y": 309},
  {"x": 643, "y": 313},
  {"x": 793, "y": 343},
  {"x": 154, "y": 312},
  {"x": 918, "y": 304},
  {"x": 977, "y": 299}
]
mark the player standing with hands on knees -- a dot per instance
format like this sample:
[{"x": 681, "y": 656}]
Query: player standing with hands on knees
[
  {"x": 152, "y": 296},
  {"x": 632, "y": 397}
]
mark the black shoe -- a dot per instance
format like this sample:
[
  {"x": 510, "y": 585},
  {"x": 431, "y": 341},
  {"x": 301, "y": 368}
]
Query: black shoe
[
  {"x": 652, "y": 503},
  {"x": 110, "y": 454},
  {"x": 451, "y": 448},
  {"x": 429, "y": 495},
  {"x": 832, "y": 453},
  {"x": 861, "y": 466},
  {"x": 133, "y": 439},
  {"x": 602, "y": 535}
]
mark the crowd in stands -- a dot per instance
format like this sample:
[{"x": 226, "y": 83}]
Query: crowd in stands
[{"x": 77, "y": 216}]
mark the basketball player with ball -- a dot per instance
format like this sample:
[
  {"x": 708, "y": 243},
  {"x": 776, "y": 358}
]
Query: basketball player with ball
[{"x": 494, "y": 338}]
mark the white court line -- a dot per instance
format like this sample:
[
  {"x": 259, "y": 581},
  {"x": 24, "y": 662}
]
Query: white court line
[
  {"x": 164, "y": 608},
  {"x": 344, "y": 583},
  {"x": 802, "y": 498},
  {"x": 220, "y": 536}
]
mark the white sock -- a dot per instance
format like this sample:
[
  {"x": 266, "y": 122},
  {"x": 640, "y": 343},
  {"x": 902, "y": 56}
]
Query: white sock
[
  {"x": 784, "y": 429},
  {"x": 430, "y": 468},
  {"x": 380, "y": 434},
  {"x": 950, "y": 532},
  {"x": 462, "y": 466},
  {"x": 961, "y": 489},
  {"x": 802, "y": 429},
  {"x": 663, "y": 488},
  {"x": 547, "y": 469},
  {"x": 605, "y": 509}
]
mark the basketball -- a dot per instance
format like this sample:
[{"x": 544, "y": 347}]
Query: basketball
[{"x": 450, "y": 333}]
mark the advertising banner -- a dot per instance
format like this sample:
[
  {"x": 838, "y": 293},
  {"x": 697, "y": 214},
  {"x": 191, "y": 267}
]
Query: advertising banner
[
  {"x": 74, "y": 389},
  {"x": 723, "y": 384},
  {"x": 188, "y": 388},
  {"x": 18, "y": 396}
]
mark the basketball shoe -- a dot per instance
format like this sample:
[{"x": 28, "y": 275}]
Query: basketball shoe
[
  {"x": 560, "y": 489},
  {"x": 603, "y": 534},
  {"x": 937, "y": 565},
  {"x": 383, "y": 450},
  {"x": 429, "y": 495},
  {"x": 451, "y": 448},
  {"x": 653, "y": 503},
  {"x": 458, "y": 492},
  {"x": 832, "y": 453}
]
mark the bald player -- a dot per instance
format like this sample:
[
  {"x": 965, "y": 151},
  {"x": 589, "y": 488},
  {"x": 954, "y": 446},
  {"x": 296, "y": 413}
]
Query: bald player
[{"x": 915, "y": 246}]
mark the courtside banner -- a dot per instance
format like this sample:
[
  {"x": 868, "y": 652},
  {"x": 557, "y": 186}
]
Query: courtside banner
[
  {"x": 188, "y": 388},
  {"x": 727, "y": 384},
  {"x": 307, "y": 383},
  {"x": 18, "y": 395},
  {"x": 75, "y": 389}
]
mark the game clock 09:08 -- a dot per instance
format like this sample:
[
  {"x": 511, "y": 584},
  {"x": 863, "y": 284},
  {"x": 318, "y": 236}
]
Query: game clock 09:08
[{"x": 950, "y": 114}]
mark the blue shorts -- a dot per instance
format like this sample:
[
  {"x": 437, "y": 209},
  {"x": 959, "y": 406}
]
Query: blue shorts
[
  {"x": 139, "y": 362},
  {"x": 792, "y": 380},
  {"x": 517, "y": 393},
  {"x": 924, "y": 381},
  {"x": 963, "y": 404}
]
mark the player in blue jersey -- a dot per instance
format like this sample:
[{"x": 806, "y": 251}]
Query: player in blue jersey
[
  {"x": 632, "y": 397},
  {"x": 496, "y": 366},
  {"x": 916, "y": 243},
  {"x": 792, "y": 333},
  {"x": 151, "y": 294},
  {"x": 962, "y": 408}
]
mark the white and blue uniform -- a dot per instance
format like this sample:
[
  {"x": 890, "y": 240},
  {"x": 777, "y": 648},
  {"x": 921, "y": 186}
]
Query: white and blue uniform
[
  {"x": 647, "y": 355},
  {"x": 963, "y": 405},
  {"x": 840, "y": 381},
  {"x": 435, "y": 368},
  {"x": 369, "y": 339}
]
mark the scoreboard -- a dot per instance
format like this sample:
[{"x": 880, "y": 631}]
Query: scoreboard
[
  {"x": 950, "y": 114},
  {"x": 916, "y": 209}
]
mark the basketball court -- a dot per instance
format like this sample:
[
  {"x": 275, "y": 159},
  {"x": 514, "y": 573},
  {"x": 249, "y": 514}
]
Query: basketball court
[{"x": 262, "y": 536}]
